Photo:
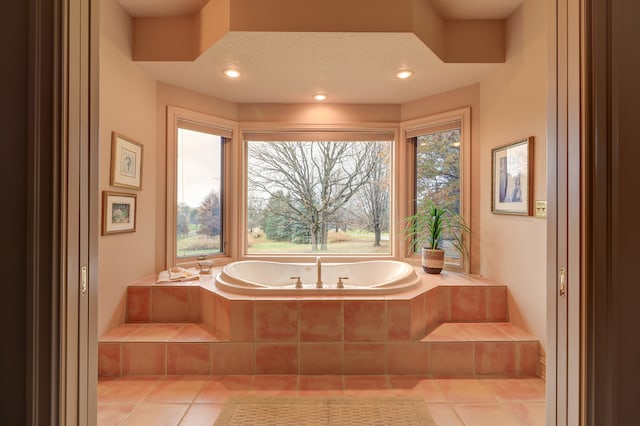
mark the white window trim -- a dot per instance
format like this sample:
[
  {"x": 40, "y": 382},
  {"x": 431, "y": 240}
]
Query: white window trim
[
  {"x": 174, "y": 115},
  {"x": 405, "y": 198}
]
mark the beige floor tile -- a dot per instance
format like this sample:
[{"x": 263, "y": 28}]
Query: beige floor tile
[
  {"x": 464, "y": 390},
  {"x": 127, "y": 390},
  {"x": 156, "y": 415},
  {"x": 529, "y": 413},
  {"x": 178, "y": 389},
  {"x": 417, "y": 386},
  {"x": 514, "y": 390},
  {"x": 444, "y": 414},
  {"x": 218, "y": 389},
  {"x": 485, "y": 415},
  {"x": 201, "y": 415},
  {"x": 113, "y": 415}
]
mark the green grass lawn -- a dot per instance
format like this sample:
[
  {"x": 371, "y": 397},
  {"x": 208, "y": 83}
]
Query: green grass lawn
[
  {"x": 359, "y": 242},
  {"x": 196, "y": 245}
]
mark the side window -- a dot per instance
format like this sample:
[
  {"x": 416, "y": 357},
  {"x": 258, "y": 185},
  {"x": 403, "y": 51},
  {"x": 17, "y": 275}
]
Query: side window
[
  {"x": 441, "y": 174},
  {"x": 199, "y": 186},
  {"x": 437, "y": 164},
  {"x": 195, "y": 222}
]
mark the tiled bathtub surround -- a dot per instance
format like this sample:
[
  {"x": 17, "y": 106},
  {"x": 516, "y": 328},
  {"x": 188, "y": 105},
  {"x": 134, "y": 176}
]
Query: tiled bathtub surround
[{"x": 452, "y": 324}]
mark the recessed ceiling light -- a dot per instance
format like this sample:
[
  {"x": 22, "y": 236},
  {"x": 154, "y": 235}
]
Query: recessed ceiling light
[
  {"x": 320, "y": 96},
  {"x": 404, "y": 74},
  {"x": 231, "y": 72}
]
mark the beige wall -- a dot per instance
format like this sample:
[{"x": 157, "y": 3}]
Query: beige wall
[
  {"x": 319, "y": 113},
  {"x": 128, "y": 106},
  {"x": 513, "y": 106}
]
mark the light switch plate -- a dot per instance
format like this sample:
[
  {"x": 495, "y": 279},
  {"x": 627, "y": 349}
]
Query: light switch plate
[{"x": 541, "y": 209}]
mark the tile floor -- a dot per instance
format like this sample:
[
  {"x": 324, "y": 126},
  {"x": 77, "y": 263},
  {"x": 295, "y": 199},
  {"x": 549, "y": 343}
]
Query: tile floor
[{"x": 197, "y": 400}]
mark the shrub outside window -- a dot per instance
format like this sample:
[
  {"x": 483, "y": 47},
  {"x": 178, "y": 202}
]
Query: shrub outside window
[
  {"x": 441, "y": 165},
  {"x": 438, "y": 177}
]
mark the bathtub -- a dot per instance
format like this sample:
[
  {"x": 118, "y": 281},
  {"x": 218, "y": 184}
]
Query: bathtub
[{"x": 267, "y": 278}]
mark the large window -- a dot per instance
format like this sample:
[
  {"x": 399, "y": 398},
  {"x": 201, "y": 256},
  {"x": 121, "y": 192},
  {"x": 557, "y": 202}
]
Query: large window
[
  {"x": 439, "y": 172},
  {"x": 195, "y": 186},
  {"x": 307, "y": 195}
]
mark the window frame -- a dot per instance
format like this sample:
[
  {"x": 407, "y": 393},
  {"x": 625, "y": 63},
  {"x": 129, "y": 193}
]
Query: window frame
[
  {"x": 409, "y": 194},
  {"x": 228, "y": 129},
  {"x": 275, "y": 129},
  {"x": 235, "y": 182}
]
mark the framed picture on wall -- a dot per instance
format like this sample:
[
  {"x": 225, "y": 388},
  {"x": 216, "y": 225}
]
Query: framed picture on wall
[
  {"x": 126, "y": 162},
  {"x": 512, "y": 178},
  {"x": 118, "y": 212}
]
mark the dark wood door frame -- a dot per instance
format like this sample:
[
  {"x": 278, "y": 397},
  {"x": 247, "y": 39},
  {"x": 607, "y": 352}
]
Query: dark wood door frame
[
  {"x": 53, "y": 193},
  {"x": 44, "y": 250},
  {"x": 612, "y": 234}
]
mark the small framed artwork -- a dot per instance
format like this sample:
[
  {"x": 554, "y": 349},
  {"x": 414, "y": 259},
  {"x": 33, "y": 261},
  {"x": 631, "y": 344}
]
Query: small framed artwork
[
  {"x": 126, "y": 162},
  {"x": 512, "y": 178},
  {"x": 118, "y": 212}
]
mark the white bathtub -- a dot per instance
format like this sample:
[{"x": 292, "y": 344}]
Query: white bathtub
[{"x": 274, "y": 278}]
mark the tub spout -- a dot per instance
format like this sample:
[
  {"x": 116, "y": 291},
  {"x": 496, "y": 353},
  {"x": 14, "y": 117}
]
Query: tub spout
[{"x": 319, "y": 268}]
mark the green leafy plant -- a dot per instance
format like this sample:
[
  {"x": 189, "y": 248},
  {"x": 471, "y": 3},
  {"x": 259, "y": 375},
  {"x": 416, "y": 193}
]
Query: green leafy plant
[{"x": 433, "y": 224}]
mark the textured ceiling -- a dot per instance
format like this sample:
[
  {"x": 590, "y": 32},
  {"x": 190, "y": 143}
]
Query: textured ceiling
[
  {"x": 350, "y": 67},
  {"x": 290, "y": 67}
]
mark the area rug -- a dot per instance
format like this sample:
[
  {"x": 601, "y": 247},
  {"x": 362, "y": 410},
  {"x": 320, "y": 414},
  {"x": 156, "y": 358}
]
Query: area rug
[{"x": 312, "y": 411}]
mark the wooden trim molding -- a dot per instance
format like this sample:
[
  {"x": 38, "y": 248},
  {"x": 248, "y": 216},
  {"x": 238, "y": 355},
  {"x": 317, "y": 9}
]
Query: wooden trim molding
[
  {"x": 564, "y": 238},
  {"x": 79, "y": 192},
  {"x": 600, "y": 382},
  {"x": 611, "y": 204},
  {"x": 44, "y": 212},
  {"x": 61, "y": 193}
]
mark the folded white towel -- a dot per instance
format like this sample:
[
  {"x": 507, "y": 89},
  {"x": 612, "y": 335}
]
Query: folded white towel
[{"x": 178, "y": 274}]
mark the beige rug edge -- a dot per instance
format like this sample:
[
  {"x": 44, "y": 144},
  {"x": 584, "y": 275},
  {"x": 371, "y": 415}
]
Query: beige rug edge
[{"x": 419, "y": 406}]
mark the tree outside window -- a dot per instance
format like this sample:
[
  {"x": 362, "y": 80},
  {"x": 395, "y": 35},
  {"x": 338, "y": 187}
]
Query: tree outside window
[
  {"x": 199, "y": 182},
  {"x": 437, "y": 165},
  {"x": 319, "y": 196}
]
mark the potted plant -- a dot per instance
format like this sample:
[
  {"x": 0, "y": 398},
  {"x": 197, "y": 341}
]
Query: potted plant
[{"x": 429, "y": 228}]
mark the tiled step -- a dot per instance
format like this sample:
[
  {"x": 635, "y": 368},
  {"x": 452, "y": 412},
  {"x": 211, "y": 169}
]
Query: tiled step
[
  {"x": 499, "y": 348},
  {"x": 156, "y": 349},
  {"x": 450, "y": 349}
]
